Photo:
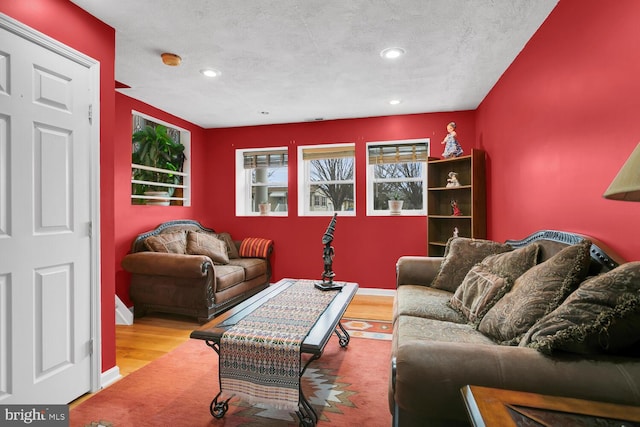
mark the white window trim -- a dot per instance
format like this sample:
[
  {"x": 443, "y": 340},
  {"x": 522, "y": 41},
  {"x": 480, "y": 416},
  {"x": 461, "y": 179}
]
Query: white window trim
[
  {"x": 243, "y": 184},
  {"x": 185, "y": 139},
  {"x": 370, "y": 196},
  {"x": 303, "y": 183}
]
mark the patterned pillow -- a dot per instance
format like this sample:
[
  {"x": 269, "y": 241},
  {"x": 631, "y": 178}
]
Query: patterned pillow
[
  {"x": 489, "y": 280},
  {"x": 537, "y": 292},
  {"x": 205, "y": 244},
  {"x": 460, "y": 254},
  {"x": 601, "y": 316},
  {"x": 173, "y": 243},
  {"x": 232, "y": 251},
  {"x": 255, "y": 247}
]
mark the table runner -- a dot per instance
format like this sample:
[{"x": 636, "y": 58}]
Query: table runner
[{"x": 260, "y": 355}]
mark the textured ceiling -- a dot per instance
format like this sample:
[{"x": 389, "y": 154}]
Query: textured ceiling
[{"x": 314, "y": 59}]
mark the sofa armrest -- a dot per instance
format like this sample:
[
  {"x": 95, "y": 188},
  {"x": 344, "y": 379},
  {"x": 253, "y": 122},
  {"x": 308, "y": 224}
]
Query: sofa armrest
[
  {"x": 166, "y": 264},
  {"x": 417, "y": 270}
]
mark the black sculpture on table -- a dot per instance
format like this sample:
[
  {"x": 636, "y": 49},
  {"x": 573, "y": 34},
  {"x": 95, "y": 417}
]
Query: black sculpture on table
[{"x": 327, "y": 257}]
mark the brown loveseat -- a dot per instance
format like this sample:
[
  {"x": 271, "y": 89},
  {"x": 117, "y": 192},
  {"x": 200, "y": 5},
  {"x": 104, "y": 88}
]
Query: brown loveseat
[
  {"x": 552, "y": 313},
  {"x": 184, "y": 268}
]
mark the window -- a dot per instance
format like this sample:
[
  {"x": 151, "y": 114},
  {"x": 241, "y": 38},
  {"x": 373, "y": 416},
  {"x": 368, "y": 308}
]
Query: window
[
  {"x": 397, "y": 169},
  {"x": 160, "y": 165},
  {"x": 326, "y": 179},
  {"x": 262, "y": 178}
]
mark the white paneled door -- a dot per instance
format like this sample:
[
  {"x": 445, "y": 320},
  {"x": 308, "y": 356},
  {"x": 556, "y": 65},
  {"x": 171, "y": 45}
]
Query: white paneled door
[{"x": 46, "y": 339}]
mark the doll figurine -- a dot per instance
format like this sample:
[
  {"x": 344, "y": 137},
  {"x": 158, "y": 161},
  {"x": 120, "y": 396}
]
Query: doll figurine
[
  {"x": 452, "y": 147},
  {"x": 455, "y": 210},
  {"x": 452, "y": 181}
]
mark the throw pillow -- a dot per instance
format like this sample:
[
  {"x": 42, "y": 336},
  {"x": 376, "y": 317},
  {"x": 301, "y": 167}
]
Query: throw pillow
[
  {"x": 601, "y": 316},
  {"x": 255, "y": 247},
  {"x": 232, "y": 251},
  {"x": 489, "y": 280},
  {"x": 537, "y": 292},
  {"x": 206, "y": 244},
  {"x": 173, "y": 243},
  {"x": 460, "y": 254}
]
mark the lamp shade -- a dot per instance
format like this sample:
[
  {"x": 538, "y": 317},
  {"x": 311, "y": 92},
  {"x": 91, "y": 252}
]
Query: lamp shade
[{"x": 626, "y": 185}]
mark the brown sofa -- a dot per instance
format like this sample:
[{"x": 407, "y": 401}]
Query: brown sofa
[
  {"x": 589, "y": 353},
  {"x": 184, "y": 268}
]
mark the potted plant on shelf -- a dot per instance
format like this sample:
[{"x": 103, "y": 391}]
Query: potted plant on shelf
[
  {"x": 395, "y": 204},
  {"x": 264, "y": 207},
  {"x": 153, "y": 147}
]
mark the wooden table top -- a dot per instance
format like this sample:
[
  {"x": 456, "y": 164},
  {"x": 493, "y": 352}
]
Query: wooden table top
[
  {"x": 318, "y": 336},
  {"x": 496, "y": 407}
]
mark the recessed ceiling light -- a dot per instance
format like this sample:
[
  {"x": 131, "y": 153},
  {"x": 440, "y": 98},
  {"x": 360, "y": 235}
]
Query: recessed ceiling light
[
  {"x": 392, "y": 52},
  {"x": 395, "y": 102},
  {"x": 210, "y": 72}
]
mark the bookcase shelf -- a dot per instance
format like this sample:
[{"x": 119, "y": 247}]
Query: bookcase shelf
[{"x": 470, "y": 196}]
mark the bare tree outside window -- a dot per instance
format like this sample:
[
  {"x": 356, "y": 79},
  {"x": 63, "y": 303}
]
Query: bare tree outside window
[{"x": 328, "y": 176}]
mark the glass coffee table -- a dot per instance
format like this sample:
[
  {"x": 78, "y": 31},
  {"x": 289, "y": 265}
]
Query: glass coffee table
[{"x": 313, "y": 345}]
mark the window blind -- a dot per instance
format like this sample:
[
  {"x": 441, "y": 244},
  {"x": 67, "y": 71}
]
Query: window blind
[
  {"x": 265, "y": 159},
  {"x": 328, "y": 152},
  {"x": 398, "y": 153}
]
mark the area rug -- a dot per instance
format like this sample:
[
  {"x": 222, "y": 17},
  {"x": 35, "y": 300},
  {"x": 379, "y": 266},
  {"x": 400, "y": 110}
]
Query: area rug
[{"x": 346, "y": 386}]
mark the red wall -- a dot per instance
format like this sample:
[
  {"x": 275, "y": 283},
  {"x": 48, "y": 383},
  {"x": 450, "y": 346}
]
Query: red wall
[
  {"x": 131, "y": 220},
  {"x": 366, "y": 247},
  {"x": 561, "y": 121},
  {"x": 65, "y": 22}
]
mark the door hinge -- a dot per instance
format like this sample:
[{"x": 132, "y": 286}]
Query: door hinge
[{"x": 90, "y": 113}]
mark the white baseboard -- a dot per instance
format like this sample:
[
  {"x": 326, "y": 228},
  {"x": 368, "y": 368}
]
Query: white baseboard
[
  {"x": 376, "y": 291},
  {"x": 109, "y": 377},
  {"x": 124, "y": 316}
]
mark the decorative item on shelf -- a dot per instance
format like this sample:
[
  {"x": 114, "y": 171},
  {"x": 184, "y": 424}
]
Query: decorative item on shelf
[
  {"x": 452, "y": 147},
  {"x": 626, "y": 185},
  {"x": 264, "y": 207},
  {"x": 395, "y": 204},
  {"x": 455, "y": 231},
  {"x": 455, "y": 210},
  {"x": 452, "y": 181},
  {"x": 327, "y": 257}
]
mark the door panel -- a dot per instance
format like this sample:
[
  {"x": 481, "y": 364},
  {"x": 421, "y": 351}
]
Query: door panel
[{"x": 45, "y": 213}]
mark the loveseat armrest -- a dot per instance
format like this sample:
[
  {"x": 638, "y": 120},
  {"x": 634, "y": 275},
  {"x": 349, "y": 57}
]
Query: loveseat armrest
[
  {"x": 417, "y": 270},
  {"x": 167, "y": 264}
]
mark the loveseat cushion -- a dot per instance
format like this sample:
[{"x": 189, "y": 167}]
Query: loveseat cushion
[
  {"x": 408, "y": 328},
  {"x": 460, "y": 254},
  {"x": 228, "y": 276},
  {"x": 205, "y": 244},
  {"x": 421, "y": 301},
  {"x": 253, "y": 267},
  {"x": 489, "y": 280},
  {"x": 232, "y": 250},
  {"x": 173, "y": 243},
  {"x": 537, "y": 292},
  {"x": 601, "y": 316},
  {"x": 255, "y": 247}
]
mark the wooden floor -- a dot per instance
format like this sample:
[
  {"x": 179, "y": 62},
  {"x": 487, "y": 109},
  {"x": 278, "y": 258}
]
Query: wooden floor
[{"x": 157, "y": 334}]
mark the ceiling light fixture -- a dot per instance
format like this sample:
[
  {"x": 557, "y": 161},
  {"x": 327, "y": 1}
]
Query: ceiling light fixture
[
  {"x": 210, "y": 72},
  {"x": 171, "y": 59},
  {"x": 392, "y": 52},
  {"x": 395, "y": 102}
]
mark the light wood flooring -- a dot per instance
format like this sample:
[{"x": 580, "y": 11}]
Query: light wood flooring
[{"x": 157, "y": 334}]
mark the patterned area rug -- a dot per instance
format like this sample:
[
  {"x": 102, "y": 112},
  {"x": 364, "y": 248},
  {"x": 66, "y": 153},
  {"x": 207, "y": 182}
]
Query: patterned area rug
[{"x": 347, "y": 387}]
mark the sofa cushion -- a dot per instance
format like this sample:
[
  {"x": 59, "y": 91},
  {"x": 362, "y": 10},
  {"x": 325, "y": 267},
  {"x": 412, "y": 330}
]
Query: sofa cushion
[
  {"x": 460, "y": 254},
  {"x": 253, "y": 267},
  {"x": 228, "y": 276},
  {"x": 537, "y": 292},
  {"x": 601, "y": 316},
  {"x": 422, "y": 301},
  {"x": 205, "y": 244},
  {"x": 408, "y": 328},
  {"x": 173, "y": 243},
  {"x": 232, "y": 250},
  {"x": 255, "y": 247},
  {"x": 489, "y": 280}
]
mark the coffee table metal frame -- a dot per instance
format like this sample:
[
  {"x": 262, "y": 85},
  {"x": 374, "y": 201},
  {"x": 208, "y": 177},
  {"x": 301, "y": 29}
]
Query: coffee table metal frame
[{"x": 326, "y": 324}]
